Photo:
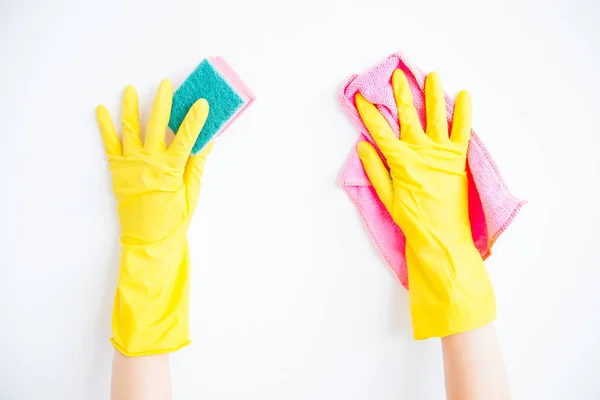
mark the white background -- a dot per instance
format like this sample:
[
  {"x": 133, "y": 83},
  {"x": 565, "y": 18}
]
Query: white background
[{"x": 290, "y": 299}]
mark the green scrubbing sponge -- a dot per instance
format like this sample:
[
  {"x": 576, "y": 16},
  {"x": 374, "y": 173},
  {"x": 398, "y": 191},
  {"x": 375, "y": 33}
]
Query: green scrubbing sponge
[{"x": 226, "y": 94}]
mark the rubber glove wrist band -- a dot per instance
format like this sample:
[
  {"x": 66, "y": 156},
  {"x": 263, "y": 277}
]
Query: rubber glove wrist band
[
  {"x": 467, "y": 303},
  {"x": 151, "y": 299}
]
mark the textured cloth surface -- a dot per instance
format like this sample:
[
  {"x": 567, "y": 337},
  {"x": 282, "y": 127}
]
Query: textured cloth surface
[{"x": 491, "y": 205}]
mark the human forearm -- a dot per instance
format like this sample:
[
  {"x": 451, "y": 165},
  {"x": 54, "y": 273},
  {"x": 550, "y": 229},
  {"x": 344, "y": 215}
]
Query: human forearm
[
  {"x": 140, "y": 378},
  {"x": 473, "y": 366}
]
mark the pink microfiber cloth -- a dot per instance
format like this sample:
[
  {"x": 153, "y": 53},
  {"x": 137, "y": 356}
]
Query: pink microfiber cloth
[{"x": 491, "y": 205}]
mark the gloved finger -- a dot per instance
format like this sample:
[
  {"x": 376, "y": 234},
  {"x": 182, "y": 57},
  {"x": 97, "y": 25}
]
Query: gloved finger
[
  {"x": 131, "y": 121},
  {"x": 377, "y": 126},
  {"x": 190, "y": 129},
  {"x": 410, "y": 126},
  {"x": 159, "y": 118},
  {"x": 461, "y": 120},
  {"x": 377, "y": 173},
  {"x": 112, "y": 145},
  {"x": 435, "y": 105},
  {"x": 193, "y": 173}
]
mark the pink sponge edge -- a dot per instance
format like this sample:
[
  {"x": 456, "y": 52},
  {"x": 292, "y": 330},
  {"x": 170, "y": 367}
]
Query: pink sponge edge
[{"x": 236, "y": 82}]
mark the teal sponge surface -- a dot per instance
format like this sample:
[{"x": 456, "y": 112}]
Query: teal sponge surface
[{"x": 205, "y": 83}]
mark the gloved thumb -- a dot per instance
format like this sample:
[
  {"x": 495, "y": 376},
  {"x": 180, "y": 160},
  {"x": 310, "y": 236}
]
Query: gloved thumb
[
  {"x": 377, "y": 172},
  {"x": 193, "y": 172}
]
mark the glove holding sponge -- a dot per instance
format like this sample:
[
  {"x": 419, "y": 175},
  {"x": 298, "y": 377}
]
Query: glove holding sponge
[{"x": 157, "y": 189}]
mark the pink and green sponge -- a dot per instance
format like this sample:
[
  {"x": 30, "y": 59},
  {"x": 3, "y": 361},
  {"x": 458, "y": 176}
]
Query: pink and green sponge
[{"x": 227, "y": 97}]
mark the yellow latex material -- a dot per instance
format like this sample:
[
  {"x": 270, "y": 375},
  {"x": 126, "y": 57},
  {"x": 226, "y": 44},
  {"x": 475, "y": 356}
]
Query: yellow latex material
[
  {"x": 425, "y": 191},
  {"x": 156, "y": 189}
]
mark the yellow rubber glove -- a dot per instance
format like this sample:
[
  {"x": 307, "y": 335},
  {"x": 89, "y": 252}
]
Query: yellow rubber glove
[
  {"x": 156, "y": 190},
  {"x": 425, "y": 191}
]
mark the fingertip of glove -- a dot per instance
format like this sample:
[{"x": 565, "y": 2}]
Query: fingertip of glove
[
  {"x": 464, "y": 95},
  {"x": 201, "y": 108},
  {"x": 359, "y": 99},
  {"x": 166, "y": 84},
  {"x": 362, "y": 105},
  {"x": 203, "y": 103},
  {"x": 101, "y": 111},
  {"x": 363, "y": 149},
  {"x": 398, "y": 74},
  {"x": 433, "y": 77}
]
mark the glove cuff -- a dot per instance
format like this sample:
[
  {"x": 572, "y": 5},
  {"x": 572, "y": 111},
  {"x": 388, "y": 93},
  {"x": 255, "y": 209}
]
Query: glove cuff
[
  {"x": 450, "y": 290},
  {"x": 151, "y": 308}
]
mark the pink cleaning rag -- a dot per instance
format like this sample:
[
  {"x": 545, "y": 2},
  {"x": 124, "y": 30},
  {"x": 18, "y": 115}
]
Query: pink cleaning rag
[{"x": 491, "y": 205}]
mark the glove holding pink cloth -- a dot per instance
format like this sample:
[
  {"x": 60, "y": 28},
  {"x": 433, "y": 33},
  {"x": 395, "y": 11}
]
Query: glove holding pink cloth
[{"x": 491, "y": 205}]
